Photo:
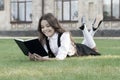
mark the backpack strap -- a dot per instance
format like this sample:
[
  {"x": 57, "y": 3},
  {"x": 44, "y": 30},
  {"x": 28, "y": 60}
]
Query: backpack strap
[
  {"x": 58, "y": 42},
  {"x": 50, "y": 53}
]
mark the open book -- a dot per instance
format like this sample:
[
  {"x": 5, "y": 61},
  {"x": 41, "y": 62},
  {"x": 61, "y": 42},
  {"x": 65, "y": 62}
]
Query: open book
[{"x": 32, "y": 46}]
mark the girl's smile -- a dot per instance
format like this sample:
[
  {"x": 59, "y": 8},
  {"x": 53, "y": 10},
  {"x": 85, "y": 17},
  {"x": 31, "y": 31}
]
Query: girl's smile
[{"x": 46, "y": 28}]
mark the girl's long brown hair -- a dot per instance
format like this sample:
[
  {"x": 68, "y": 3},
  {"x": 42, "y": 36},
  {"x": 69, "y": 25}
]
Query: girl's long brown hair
[{"x": 53, "y": 22}]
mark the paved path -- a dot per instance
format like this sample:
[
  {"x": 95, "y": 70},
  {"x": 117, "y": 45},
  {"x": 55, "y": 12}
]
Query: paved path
[
  {"x": 101, "y": 37},
  {"x": 74, "y": 37},
  {"x": 15, "y": 37}
]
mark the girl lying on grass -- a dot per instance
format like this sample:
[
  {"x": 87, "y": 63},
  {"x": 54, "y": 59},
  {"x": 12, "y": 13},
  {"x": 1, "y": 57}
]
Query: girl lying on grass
[{"x": 59, "y": 44}]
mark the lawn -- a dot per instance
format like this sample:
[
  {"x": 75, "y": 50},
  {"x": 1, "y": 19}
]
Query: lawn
[{"x": 15, "y": 66}]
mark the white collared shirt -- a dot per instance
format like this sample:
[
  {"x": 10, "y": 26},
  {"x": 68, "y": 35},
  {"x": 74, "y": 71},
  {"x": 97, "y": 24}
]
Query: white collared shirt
[{"x": 66, "y": 47}]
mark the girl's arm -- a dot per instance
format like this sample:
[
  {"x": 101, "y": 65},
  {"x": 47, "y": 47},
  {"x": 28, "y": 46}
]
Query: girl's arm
[{"x": 36, "y": 57}]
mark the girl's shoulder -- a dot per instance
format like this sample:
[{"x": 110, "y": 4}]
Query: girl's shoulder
[{"x": 65, "y": 35}]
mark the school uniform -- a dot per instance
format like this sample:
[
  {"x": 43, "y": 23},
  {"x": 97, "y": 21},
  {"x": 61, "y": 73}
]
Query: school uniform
[{"x": 66, "y": 47}]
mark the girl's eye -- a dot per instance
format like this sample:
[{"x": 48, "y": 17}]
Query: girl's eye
[
  {"x": 42, "y": 27},
  {"x": 48, "y": 26}
]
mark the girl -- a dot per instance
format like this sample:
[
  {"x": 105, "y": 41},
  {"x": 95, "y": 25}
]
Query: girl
[{"x": 59, "y": 43}]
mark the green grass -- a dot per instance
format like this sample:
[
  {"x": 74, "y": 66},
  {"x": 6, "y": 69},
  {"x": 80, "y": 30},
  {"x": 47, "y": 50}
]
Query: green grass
[{"x": 15, "y": 66}]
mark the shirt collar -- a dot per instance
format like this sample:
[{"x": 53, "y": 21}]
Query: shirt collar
[{"x": 55, "y": 35}]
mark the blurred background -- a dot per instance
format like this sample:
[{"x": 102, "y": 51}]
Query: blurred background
[{"x": 20, "y": 17}]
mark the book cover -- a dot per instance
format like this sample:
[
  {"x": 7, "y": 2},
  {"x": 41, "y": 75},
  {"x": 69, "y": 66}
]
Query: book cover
[{"x": 32, "y": 46}]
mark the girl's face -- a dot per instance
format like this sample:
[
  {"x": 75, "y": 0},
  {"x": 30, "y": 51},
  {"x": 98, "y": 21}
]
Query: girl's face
[{"x": 46, "y": 28}]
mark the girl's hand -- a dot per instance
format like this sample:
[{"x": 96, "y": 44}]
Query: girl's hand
[
  {"x": 38, "y": 57},
  {"x": 31, "y": 56}
]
